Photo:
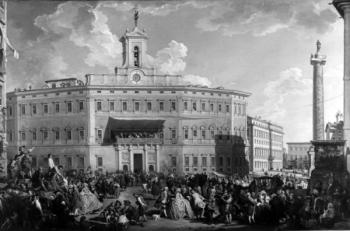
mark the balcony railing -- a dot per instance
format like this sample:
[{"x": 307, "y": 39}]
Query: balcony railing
[{"x": 138, "y": 141}]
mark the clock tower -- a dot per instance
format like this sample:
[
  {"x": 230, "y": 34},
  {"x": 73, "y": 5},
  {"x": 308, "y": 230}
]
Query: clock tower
[{"x": 134, "y": 46}]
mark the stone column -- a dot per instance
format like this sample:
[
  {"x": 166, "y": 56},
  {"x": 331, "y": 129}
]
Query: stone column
[
  {"x": 343, "y": 7},
  {"x": 318, "y": 61},
  {"x": 157, "y": 161},
  {"x": 145, "y": 158},
  {"x": 131, "y": 153}
]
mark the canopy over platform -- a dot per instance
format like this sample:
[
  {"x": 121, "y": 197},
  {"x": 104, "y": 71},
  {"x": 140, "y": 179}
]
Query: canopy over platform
[{"x": 125, "y": 125}]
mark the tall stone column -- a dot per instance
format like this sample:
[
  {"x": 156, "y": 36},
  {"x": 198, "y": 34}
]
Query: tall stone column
[
  {"x": 343, "y": 7},
  {"x": 318, "y": 61}
]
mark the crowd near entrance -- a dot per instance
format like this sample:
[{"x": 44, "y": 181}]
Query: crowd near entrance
[{"x": 34, "y": 199}]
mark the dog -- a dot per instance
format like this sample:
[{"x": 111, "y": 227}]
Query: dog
[{"x": 156, "y": 217}]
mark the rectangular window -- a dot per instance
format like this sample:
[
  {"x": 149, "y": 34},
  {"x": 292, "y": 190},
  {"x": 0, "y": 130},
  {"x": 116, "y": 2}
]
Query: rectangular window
[
  {"x": 194, "y": 106},
  {"x": 99, "y": 134},
  {"x": 125, "y": 106},
  {"x": 227, "y": 108},
  {"x": 81, "y": 134},
  {"x": 211, "y": 107},
  {"x": 80, "y": 164},
  {"x": 220, "y": 107},
  {"x": 239, "y": 109},
  {"x": 221, "y": 161},
  {"x": 10, "y": 111},
  {"x": 137, "y": 106},
  {"x": 195, "y": 132},
  {"x": 212, "y": 134},
  {"x": 57, "y": 135},
  {"x": 204, "y": 161},
  {"x": 23, "y": 109},
  {"x": 195, "y": 161},
  {"x": 68, "y": 162},
  {"x": 69, "y": 135},
  {"x": 203, "y": 134},
  {"x": 161, "y": 106},
  {"x": 69, "y": 107},
  {"x": 111, "y": 106},
  {"x": 173, "y": 134},
  {"x": 186, "y": 134},
  {"x": 81, "y": 105},
  {"x": 99, "y": 106},
  {"x": 149, "y": 106},
  {"x": 187, "y": 161},
  {"x": 23, "y": 136},
  {"x": 10, "y": 137},
  {"x": 173, "y": 106},
  {"x": 185, "y": 106},
  {"x": 33, "y": 109},
  {"x": 45, "y": 135},
  {"x": 99, "y": 162},
  {"x": 203, "y": 106},
  {"x": 34, "y": 135},
  {"x": 213, "y": 161},
  {"x": 235, "y": 108},
  {"x": 173, "y": 161},
  {"x": 46, "y": 108},
  {"x": 57, "y": 107},
  {"x": 228, "y": 161}
]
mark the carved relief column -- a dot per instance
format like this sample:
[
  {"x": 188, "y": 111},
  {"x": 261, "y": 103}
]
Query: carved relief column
[{"x": 318, "y": 61}]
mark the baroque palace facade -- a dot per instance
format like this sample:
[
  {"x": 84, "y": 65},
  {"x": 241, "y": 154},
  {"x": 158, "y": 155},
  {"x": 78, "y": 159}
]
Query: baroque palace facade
[
  {"x": 134, "y": 119},
  {"x": 265, "y": 145}
]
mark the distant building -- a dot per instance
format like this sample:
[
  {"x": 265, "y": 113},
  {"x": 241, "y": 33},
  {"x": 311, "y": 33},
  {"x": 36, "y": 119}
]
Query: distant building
[
  {"x": 265, "y": 145},
  {"x": 335, "y": 131},
  {"x": 297, "y": 156},
  {"x": 134, "y": 119}
]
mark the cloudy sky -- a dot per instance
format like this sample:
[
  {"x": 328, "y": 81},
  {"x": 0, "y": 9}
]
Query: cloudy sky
[{"x": 259, "y": 46}]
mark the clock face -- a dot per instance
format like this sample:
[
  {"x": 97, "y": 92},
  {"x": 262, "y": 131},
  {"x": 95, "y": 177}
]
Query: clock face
[{"x": 136, "y": 77}]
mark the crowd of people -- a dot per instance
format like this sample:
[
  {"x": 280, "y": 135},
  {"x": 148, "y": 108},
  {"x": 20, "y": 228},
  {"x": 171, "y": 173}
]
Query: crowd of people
[{"x": 54, "y": 198}]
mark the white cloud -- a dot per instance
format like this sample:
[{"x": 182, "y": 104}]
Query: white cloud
[
  {"x": 197, "y": 80},
  {"x": 169, "y": 60},
  {"x": 87, "y": 27},
  {"x": 282, "y": 93}
]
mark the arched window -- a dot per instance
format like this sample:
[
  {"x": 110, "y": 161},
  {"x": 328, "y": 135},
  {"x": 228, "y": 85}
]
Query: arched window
[{"x": 136, "y": 56}]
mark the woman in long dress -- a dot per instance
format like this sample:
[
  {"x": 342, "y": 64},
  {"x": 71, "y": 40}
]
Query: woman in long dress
[
  {"x": 199, "y": 203},
  {"x": 180, "y": 207},
  {"x": 89, "y": 200}
]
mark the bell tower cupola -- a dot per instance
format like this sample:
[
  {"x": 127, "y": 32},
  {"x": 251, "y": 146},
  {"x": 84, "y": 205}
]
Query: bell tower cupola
[{"x": 134, "y": 46}]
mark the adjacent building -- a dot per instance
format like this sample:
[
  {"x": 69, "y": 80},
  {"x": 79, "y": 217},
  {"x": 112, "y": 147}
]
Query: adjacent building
[
  {"x": 298, "y": 156},
  {"x": 265, "y": 145},
  {"x": 134, "y": 119}
]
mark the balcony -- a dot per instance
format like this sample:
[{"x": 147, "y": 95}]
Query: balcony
[{"x": 134, "y": 140}]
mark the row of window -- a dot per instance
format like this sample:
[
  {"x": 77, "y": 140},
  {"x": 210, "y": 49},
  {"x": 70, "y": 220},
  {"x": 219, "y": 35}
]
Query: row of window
[
  {"x": 261, "y": 165},
  {"x": 305, "y": 149},
  {"x": 261, "y": 153},
  {"x": 195, "y": 163},
  {"x": 46, "y": 134},
  {"x": 239, "y": 109},
  {"x": 45, "y": 108}
]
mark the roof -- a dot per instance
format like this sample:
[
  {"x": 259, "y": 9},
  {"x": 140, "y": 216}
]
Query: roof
[
  {"x": 60, "y": 80},
  {"x": 135, "y": 124},
  {"x": 338, "y": 5}
]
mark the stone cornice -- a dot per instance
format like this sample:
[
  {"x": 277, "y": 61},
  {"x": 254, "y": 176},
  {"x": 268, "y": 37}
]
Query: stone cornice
[
  {"x": 341, "y": 5},
  {"x": 130, "y": 87}
]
